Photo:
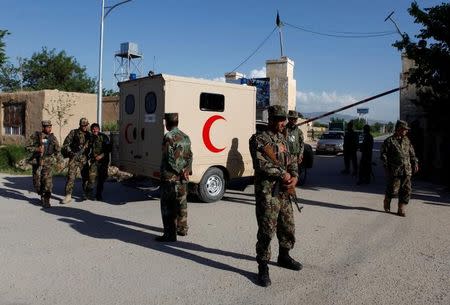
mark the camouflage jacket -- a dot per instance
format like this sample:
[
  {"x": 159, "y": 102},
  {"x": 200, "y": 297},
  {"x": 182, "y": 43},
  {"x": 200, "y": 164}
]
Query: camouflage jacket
[
  {"x": 398, "y": 156},
  {"x": 295, "y": 139},
  {"x": 100, "y": 146},
  {"x": 75, "y": 141},
  {"x": 50, "y": 144},
  {"x": 272, "y": 157},
  {"x": 176, "y": 155}
]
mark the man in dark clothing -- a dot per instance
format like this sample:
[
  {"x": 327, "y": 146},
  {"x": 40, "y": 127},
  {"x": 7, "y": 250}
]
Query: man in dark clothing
[
  {"x": 365, "y": 164},
  {"x": 100, "y": 147},
  {"x": 350, "y": 148}
]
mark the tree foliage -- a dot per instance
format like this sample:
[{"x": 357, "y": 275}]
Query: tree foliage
[
  {"x": 431, "y": 55},
  {"x": 51, "y": 70},
  {"x": 3, "y": 56}
]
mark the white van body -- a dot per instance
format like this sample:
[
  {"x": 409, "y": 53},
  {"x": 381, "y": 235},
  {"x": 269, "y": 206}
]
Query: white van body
[{"x": 218, "y": 117}]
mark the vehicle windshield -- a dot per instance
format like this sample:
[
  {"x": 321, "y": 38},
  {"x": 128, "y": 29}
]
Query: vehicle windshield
[{"x": 335, "y": 136}]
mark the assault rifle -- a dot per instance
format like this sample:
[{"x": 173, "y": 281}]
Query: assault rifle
[{"x": 292, "y": 195}]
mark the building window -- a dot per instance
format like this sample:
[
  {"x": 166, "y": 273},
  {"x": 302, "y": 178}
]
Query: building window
[
  {"x": 212, "y": 102},
  {"x": 14, "y": 118}
]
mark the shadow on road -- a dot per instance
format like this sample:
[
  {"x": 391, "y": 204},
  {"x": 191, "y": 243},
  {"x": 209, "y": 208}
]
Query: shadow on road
[
  {"x": 115, "y": 193},
  {"x": 104, "y": 227}
]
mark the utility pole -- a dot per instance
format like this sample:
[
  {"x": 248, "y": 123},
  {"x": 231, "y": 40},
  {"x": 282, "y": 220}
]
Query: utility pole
[
  {"x": 396, "y": 26},
  {"x": 279, "y": 25}
]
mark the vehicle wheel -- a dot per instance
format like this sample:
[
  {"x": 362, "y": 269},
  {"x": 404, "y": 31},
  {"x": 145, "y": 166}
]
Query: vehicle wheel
[
  {"x": 302, "y": 173},
  {"x": 212, "y": 186}
]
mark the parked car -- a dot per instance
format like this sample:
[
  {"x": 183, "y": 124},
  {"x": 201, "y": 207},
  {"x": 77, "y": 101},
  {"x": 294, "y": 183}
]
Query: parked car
[{"x": 330, "y": 142}]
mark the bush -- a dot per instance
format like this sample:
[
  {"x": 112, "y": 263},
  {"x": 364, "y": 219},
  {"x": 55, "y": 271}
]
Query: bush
[
  {"x": 110, "y": 126},
  {"x": 10, "y": 155}
]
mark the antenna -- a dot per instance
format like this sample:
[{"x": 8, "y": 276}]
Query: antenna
[
  {"x": 279, "y": 25},
  {"x": 396, "y": 26}
]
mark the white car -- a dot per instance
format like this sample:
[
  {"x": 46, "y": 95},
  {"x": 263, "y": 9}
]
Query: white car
[{"x": 331, "y": 142}]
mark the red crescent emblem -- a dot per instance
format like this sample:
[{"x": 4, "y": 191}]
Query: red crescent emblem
[
  {"x": 206, "y": 133},
  {"x": 126, "y": 133}
]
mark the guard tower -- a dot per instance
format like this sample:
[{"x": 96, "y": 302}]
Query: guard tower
[{"x": 128, "y": 62}]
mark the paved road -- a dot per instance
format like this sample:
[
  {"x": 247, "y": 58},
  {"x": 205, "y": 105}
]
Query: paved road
[{"x": 104, "y": 252}]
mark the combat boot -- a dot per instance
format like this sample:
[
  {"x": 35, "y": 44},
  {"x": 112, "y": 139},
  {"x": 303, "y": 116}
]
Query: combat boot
[
  {"x": 67, "y": 199},
  {"x": 286, "y": 261},
  {"x": 166, "y": 238},
  {"x": 401, "y": 209},
  {"x": 263, "y": 275},
  {"x": 170, "y": 231},
  {"x": 46, "y": 200},
  {"x": 387, "y": 205}
]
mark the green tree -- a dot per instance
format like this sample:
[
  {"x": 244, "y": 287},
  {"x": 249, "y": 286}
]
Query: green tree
[
  {"x": 50, "y": 70},
  {"x": 3, "y": 56},
  {"x": 337, "y": 120},
  {"x": 9, "y": 77},
  {"x": 358, "y": 124},
  {"x": 431, "y": 55},
  {"x": 60, "y": 110}
]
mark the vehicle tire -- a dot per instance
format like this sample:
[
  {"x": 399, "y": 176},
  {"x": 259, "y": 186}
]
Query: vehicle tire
[
  {"x": 302, "y": 173},
  {"x": 212, "y": 185}
]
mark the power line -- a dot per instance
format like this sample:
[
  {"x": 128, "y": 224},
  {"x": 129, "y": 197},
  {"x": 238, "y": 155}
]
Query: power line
[
  {"x": 347, "y": 34},
  {"x": 257, "y": 49}
]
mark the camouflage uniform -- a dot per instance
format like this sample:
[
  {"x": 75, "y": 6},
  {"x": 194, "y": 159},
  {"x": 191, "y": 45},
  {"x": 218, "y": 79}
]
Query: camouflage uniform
[
  {"x": 274, "y": 212},
  {"x": 295, "y": 138},
  {"x": 398, "y": 158},
  {"x": 98, "y": 169},
  {"x": 42, "y": 165},
  {"x": 176, "y": 159},
  {"x": 76, "y": 148}
]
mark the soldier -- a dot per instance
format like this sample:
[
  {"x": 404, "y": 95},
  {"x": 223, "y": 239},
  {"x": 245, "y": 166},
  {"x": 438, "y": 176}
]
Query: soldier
[
  {"x": 276, "y": 175},
  {"x": 100, "y": 148},
  {"x": 75, "y": 148},
  {"x": 365, "y": 163},
  {"x": 45, "y": 148},
  {"x": 176, "y": 166},
  {"x": 400, "y": 163},
  {"x": 294, "y": 137}
]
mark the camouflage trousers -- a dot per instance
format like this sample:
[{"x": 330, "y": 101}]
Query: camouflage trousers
[
  {"x": 274, "y": 214},
  {"x": 43, "y": 178},
  {"x": 174, "y": 206},
  {"x": 399, "y": 186},
  {"x": 72, "y": 170},
  {"x": 98, "y": 171}
]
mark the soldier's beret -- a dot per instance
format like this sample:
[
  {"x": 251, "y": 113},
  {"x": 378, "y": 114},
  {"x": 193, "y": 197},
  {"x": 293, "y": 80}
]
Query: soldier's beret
[
  {"x": 84, "y": 122},
  {"x": 171, "y": 117},
  {"x": 292, "y": 114},
  {"x": 277, "y": 111},
  {"x": 46, "y": 123},
  {"x": 401, "y": 125}
]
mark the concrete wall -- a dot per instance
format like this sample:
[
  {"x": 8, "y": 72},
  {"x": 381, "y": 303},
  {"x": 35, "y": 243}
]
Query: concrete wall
[
  {"x": 283, "y": 86},
  {"x": 43, "y": 105},
  {"x": 427, "y": 133},
  {"x": 110, "y": 109}
]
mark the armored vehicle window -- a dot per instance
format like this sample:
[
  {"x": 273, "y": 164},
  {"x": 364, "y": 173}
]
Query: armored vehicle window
[
  {"x": 129, "y": 104},
  {"x": 150, "y": 102},
  {"x": 212, "y": 102}
]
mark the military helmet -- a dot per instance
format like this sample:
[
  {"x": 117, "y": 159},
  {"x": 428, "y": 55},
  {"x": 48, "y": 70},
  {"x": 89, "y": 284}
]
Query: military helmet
[
  {"x": 400, "y": 124},
  {"x": 46, "y": 123},
  {"x": 292, "y": 114},
  {"x": 277, "y": 111},
  {"x": 171, "y": 116},
  {"x": 84, "y": 122}
]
